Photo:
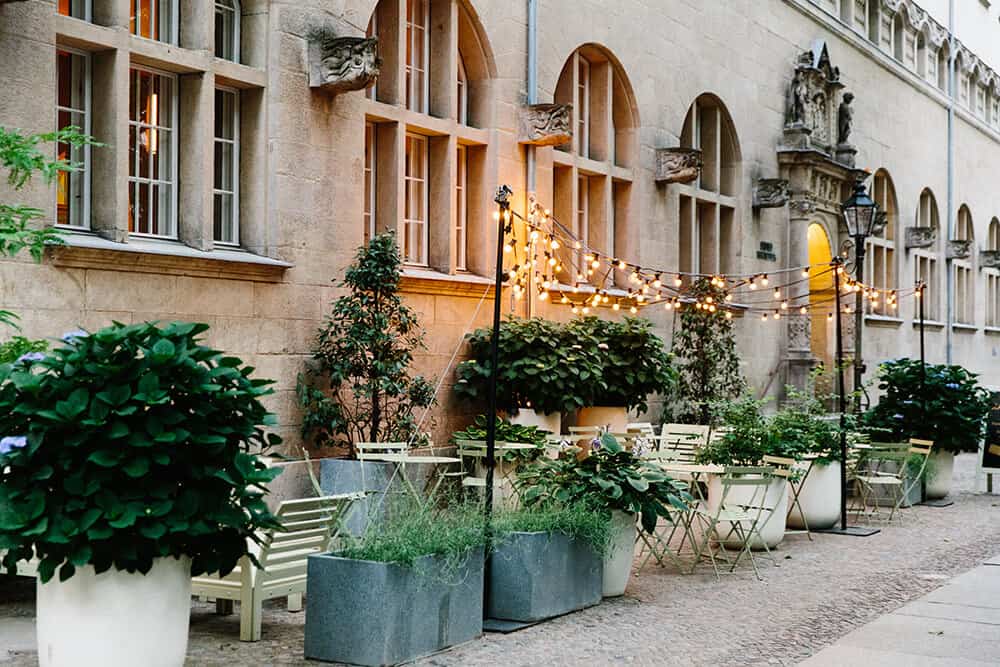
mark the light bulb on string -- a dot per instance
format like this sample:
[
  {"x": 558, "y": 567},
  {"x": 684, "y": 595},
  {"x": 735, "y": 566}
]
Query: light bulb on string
[
  {"x": 555, "y": 244},
  {"x": 668, "y": 306},
  {"x": 805, "y": 272},
  {"x": 586, "y": 310},
  {"x": 709, "y": 299},
  {"x": 777, "y": 294},
  {"x": 777, "y": 315},
  {"x": 534, "y": 235},
  {"x": 729, "y": 297},
  {"x": 576, "y": 310},
  {"x": 829, "y": 317},
  {"x": 712, "y": 308},
  {"x": 803, "y": 310},
  {"x": 496, "y": 216},
  {"x": 678, "y": 281},
  {"x": 615, "y": 306},
  {"x": 753, "y": 282},
  {"x": 763, "y": 280},
  {"x": 633, "y": 310},
  {"x": 621, "y": 265},
  {"x": 784, "y": 305},
  {"x": 578, "y": 245},
  {"x": 763, "y": 318},
  {"x": 729, "y": 315},
  {"x": 564, "y": 299},
  {"x": 543, "y": 296}
]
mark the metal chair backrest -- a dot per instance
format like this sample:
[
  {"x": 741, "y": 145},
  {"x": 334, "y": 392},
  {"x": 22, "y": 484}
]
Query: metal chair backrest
[
  {"x": 923, "y": 447},
  {"x": 643, "y": 428},
  {"x": 584, "y": 430},
  {"x": 693, "y": 433},
  {"x": 782, "y": 466},
  {"x": 756, "y": 477},
  {"x": 374, "y": 449}
]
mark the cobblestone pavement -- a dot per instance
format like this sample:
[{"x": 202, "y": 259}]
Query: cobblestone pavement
[{"x": 820, "y": 591}]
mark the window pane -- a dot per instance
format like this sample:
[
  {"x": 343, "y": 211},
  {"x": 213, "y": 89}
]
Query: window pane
[
  {"x": 72, "y": 110},
  {"x": 151, "y": 148},
  {"x": 152, "y": 19},
  {"x": 226, "y": 167},
  {"x": 226, "y": 28}
]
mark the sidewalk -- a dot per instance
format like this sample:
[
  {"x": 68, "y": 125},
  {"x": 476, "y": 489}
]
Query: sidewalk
[{"x": 958, "y": 624}]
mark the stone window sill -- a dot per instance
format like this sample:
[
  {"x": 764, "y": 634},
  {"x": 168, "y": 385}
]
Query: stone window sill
[
  {"x": 883, "y": 320},
  {"x": 416, "y": 280},
  {"x": 929, "y": 324},
  {"x": 145, "y": 255},
  {"x": 995, "y": 331},
  {"x": 968, "y": 328}
]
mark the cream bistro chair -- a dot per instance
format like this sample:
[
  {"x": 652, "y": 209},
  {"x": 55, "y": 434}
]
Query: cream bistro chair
[
  {"x": 896, "y": 484},
  {"x": 309, "y": 525}
]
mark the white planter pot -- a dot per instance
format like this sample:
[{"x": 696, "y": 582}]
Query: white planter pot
[
  {"x": 621, "y": 553},
  {"x": 940, "y": 468},
  {"x": 772, "y": 518},
  {"x": 527, "y": 417},
  {"x": 615, "y": 419},
  {"x": 116, "y": 619},
  {"x": 819, "y": 498}
]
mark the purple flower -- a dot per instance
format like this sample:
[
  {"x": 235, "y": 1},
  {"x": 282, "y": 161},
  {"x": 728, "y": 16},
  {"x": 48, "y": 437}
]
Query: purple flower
[
  {"x": 28, "y": 357},
  {"x": 897, "y": 416},
  {"x": 70, "y": 336},
  {"x": 11, "y": 442},
  {"x": 952, "y": 385}
]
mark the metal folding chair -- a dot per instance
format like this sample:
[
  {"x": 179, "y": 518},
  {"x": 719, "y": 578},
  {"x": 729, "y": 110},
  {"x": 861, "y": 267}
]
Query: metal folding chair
[
  {"x": 732, "y": 517},
  {"x": 785, "y": 467},
  {"x": 895, "y": 484}
]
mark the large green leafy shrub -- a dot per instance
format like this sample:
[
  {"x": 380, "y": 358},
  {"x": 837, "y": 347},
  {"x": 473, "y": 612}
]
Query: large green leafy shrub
[
  {"x": 541, "y": 367},
  {"x": 635, "y": 363},
  {"x": 18, "y": 346},
  {"x": 948, "y": 405},
  {"x": 610, "y": 478},
  {"x": 707, "y": 363},
  {"x": 128, "y": 444},
  {"x": 363, "y": 355}
]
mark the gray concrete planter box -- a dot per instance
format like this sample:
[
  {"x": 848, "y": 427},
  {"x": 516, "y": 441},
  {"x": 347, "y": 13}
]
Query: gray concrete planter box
[
  {"x": 534, "y": 576},
  {"x": 368, "y": 613}
]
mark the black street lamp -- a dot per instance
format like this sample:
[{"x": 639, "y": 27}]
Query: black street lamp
[{"x": 860, "y": 214}]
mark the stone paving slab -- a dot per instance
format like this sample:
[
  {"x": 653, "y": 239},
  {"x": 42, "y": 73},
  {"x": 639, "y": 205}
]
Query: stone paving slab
[
  {"x": 839, "y": 656},
  {"x": 957, "y": 612}
]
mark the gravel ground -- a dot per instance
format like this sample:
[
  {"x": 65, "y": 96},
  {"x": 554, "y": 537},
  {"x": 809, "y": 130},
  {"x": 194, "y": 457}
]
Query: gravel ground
[{"x": 820, "y": 591}]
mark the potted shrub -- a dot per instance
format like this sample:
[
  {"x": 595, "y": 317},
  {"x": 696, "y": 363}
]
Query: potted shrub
[
  {"x": 360, "y": 387},
  {"x": 942, "y": 403},
  {"x": 800, "y": 430},
  {"x": 543, "y": 373},
  {"x": 412, "y": 586},
  {"x": 547, "y": 561},
  {"x": 130, "y": 471},
  {"x": 618, "y": 483},
  {"x": 634, "y": 364},
  {"x": 749, "y": 438},
  {"x": 508, "y": 462}
]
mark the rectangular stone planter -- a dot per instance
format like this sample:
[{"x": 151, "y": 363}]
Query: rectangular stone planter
[
  {"x": 534, "y": 576},
  {"x": 369, "y": 613}
]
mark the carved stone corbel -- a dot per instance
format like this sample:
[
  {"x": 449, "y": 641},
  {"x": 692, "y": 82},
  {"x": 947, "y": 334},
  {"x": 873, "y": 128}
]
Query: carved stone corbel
[
  {"x": 989, "y": 259},
  {"x": 546, "y": 124},
  {"x": 920, "y": 237},
  {"x": 770, "y": 193},
  {"x": 677, "y": 165},
  {"x": 340, "y": 64},
  {"x": 881, "y": 220},
  {"x": 959, "y": 249},
  {"x": 801, "y": 207}
]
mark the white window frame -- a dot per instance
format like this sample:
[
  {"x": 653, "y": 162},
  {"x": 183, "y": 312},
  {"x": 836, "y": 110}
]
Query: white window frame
[
  {"x": 88, "y": 11},
  {"x": 421, "y": 236},
  {"x": 235, "y": 193},
  {"x": 461, "y": 208},
  {"x": 236, "y": 13},
  {"x": 965, "y": 293},
  {"x": 582, "y": 106},
  {"x": 370, "y": 176},
  {"x": 993, "y": 278},
  {"x": 412, "y": 85},
  {"x": 462, "y": 92},
  {"x": 87, "y": 170},
  {"x": 883, "y": 246},
  {"x": 173, "y": 129},
  {"x": 173, "y": 9},
  {"x": 582, "y": 220}
]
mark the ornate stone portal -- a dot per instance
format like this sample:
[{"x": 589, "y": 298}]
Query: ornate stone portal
[
  {"x": 817, "y": 160},
  {"x": 677, "y": 165},
  {"x": 340, "y": 64},
  {"x": 546, "y": 124}
]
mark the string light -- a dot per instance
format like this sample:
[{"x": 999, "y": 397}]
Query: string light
[
  {"x": 729, "y": 314},
  {"x": 763, "y": 280},
  {"x": 777, "y": 294},
  {"x": 678, "y": 281},
  {"x": 633, "y": 310}
]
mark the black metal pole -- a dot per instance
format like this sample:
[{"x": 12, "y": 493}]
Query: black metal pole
[
  {"x": 502, "y": 200},
  {"x": 842, "y": 398},
  {"x": 859, "y": 320},
  {"x": 921, "y": 295}
]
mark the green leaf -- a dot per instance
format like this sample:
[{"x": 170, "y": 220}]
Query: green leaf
[
  {"x": 153, "y": 531},
  {"x": 106, "y": 458},
  {"x": 163, "y": 351},
  {"x": 137, "y": 467}
]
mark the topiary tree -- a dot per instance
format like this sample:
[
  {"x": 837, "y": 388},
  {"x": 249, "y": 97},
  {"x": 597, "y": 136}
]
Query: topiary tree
[
  {"x": 363, "y": 355},
  {"x": 707, "y": 363}
]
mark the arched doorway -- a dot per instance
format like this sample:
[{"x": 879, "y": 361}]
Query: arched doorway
[{"x": 821, "y": 301}]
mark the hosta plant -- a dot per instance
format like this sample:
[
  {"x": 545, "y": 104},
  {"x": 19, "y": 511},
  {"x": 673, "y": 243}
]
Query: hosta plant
[
  {"x": 610, "y": 478},
  {"x": 130, "y": 444}
]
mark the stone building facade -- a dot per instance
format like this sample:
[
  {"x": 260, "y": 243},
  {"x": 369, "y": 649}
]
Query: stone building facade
[{"x": 242, "y": 166}]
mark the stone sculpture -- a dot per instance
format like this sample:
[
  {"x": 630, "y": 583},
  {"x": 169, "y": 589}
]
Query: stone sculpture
[
  {"x": 546, "y": 124},
  {"x": 845, "y": 120},
  {"x": 340, "y": 64},
  {"x": 677, "y": 165},
  {"x": 770, "y": 193}
]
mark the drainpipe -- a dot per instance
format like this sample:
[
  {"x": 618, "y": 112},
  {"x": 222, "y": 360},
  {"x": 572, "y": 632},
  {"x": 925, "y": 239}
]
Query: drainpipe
[
  {"x": 952, "y": 89},
  {"x": 532, "y": 98}
]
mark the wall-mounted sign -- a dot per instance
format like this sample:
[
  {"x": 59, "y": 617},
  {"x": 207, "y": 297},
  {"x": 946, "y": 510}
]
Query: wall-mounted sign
[{"x": 766, "y": 252}]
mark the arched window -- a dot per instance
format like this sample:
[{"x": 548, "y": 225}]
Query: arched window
[
  {"x": 921, "y": 55},
  {"x": 227, "y": 30},
  {"x": 978, "y": 89},
  {"x": 592, "y": 178},
  {"x": 925, "y": 259},
  {"x": 874, "y": 20},
  {"x": 880, "y": 258},
  {"x": 898, "y": 36},
  {"x": 964, "y": 97},
  {"x": 707, "y": 217},
  {"x": 993, "y": 278},
  {"x": 942, "y": 67},
  {"x": 429, "y": 187},
  {"x": 965, "y": 297}
]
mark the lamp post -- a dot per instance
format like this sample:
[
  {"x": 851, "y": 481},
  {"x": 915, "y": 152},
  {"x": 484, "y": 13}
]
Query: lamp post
[{"x": 860, "y": 215}]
